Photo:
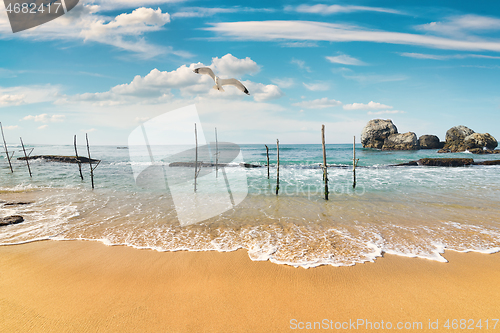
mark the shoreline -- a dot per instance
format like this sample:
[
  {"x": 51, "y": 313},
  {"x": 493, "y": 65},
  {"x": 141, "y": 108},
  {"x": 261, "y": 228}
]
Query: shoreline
[{"x": 88, "y": 286}]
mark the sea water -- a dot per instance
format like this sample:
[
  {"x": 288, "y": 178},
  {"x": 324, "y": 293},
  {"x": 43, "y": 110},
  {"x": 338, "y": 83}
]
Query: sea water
[{"x": 410, "y": 211}]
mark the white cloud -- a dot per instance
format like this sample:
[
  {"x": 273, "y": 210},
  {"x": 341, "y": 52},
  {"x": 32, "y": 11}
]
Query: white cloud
[
  {"x": 262, "y": 92},
  {"x": 299, "y": 44},
  {"x": 385, "y": 112},
  {"x": 370, "y": 106},
  {"x": 301, "y": 64},
  {"x": 335, "y": 32},
  {"x": 321, "y": 103},
  {"x": 107, "y": 5},
  {"x": 13, "y": 96},
  {"x": 445, "y": 57},
  {"x": 345, "y": 60},
  {"x": 43, "y": 127},
  {"x": 159, "y": 86},
  {"x": 284, "y": 83},
  {"x": 89, "y": 130},
  {"x": 11, "y": 127},
  {"x": 230, "y": 65},
  {"x": 374, "y": 78},
  {"x": 318, "y": 86},
  {"x": 203, "y": 12},
  {"x": 125, "y": 31},
  {"x": 6, "y": 100},
  {"x": 335, "y": 9},
  {"x": 461, "y": 26},
  {"x": 45, "y": 118}
]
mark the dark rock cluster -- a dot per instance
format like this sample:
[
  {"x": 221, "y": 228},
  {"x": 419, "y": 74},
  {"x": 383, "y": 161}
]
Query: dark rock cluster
[
  {"x": 383, "y": 134},
  {"x": 14, "y": 219}
]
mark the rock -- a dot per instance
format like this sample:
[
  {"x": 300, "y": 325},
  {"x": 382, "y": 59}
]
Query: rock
[
  {"x": 449, "y": 162},
  {"x": 478, "y": 151},
  {"x": 376, "y": 131},
  {"x": 493, "y": 151},
  {"x": 430, "y": 142},
  {"x": 493, "y": 162},
  {"x": 480, "y": 140},
  {"x": 401, "y": 141},
  {"x": 63, "y": 159},
  {"x": 446, "y": 162},
  {"x": 20, "y": 203},
  {"x": 455, "y": 137},
  {"x": 442, "y": 151},
  {"x": 14, "y": 219},
  {"x": 411, "y": 163}
]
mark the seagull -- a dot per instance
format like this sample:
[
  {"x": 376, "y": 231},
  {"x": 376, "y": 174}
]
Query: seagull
[{"x": 221, "y": 82}]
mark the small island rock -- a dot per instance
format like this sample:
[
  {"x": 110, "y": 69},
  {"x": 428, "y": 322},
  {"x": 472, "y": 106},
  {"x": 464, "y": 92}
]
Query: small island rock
[
  {"x": 376, "y": 131},
  {"x": 455, "y": 137},
  {"x": 430, "y": 142},
  {"x": 401, "y": 141}
]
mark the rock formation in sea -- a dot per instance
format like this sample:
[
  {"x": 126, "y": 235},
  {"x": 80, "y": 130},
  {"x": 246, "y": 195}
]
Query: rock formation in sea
[
  {"x": 430, "y": 142},
  {"x": 383, "y": 134},
  {"x": 455, "y": 138},
  {"x": 376, "y": 131},
  {"x": 461, "y": 138},
  {"x": 401, "y": 141}
]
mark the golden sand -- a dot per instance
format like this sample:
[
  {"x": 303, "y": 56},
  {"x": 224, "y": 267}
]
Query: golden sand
[{"x": 78, "y": 286}]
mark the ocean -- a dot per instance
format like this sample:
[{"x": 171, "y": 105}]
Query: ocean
[{"x": 409, "y": 211}]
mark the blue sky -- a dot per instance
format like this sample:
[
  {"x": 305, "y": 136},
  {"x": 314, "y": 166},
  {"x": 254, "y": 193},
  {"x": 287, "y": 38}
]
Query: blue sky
[{"x": 107, "y": 66}]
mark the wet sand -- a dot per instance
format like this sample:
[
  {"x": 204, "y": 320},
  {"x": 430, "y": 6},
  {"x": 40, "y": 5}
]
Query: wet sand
[{"x": 76, "y": 286}]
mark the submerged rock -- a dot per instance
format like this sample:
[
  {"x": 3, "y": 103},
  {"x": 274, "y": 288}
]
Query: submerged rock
[
  {"x": 430, "y": 142},
  {"x": 63, "y": 159},
  {"x": 20, "y": 203},
  {"x": 449, "y": 162},
  {"x": 376, "y": 131},
  {"x": 494, "y": 162},
  {"x": 401, "y": 141},
  {"x": 446, "y": 162},
  {"x": 14, "y": 219}
]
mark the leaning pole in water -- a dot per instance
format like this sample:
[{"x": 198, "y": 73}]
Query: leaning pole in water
[
  {"x": 6, "y": 151},
  {"x": 278, "y": 168},
  {"x": 325, "y": 171}
]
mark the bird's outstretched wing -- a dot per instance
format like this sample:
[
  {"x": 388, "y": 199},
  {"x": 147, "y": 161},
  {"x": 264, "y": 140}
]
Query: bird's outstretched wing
[
  {"x": 234, "y": 82},
  {"x": 205, "y": 70}
]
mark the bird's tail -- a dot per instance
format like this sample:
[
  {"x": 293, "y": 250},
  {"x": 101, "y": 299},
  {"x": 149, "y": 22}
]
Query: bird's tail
[{"x": 216, "y": 87}]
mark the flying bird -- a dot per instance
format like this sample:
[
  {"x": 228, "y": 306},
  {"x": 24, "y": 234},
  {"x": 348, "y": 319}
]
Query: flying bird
[{"x": 221, "y": 82}]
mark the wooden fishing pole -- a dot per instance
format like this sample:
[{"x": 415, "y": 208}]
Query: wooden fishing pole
[
  {"x": 267, "y": 154},
  {"x": 325, "y": 170},
  {"x": 6, "y": 151},
  {"x": 78, "y": 160},
  {"x": 90, "y": 162},
  {"x": 196, "y": 157},
  {"x": 216, "y": 155},
  {"x": 278, "y": 168},
  {"x": 354, "y": 163},
  {"x": 26, "y": 156}
]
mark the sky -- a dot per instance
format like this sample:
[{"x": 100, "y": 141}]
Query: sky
[{"x": 105, "y": 67}]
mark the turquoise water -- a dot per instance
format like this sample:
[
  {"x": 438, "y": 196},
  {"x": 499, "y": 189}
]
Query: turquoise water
[{"x": 409, "y": 211}]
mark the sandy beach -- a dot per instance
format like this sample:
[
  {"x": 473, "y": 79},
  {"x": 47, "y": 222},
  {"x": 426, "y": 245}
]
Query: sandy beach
[{"x": 76, "y": 286}]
